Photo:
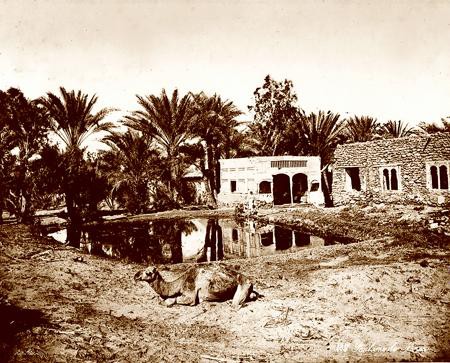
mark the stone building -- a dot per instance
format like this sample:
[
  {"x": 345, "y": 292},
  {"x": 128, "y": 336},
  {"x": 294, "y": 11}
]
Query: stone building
[
  {"x": 271, "y": 179},
  {"x": 409, "y": 169}
]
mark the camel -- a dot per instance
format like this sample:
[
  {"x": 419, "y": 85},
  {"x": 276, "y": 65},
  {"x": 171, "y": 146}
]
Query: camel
[{"x": 200, "y": 283}]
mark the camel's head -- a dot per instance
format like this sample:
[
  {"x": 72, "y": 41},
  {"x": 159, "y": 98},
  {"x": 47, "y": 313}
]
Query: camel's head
[{"x": 149, "y": 274}]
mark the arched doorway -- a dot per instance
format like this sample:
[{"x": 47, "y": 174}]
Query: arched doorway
[
  {"x": 283, "y": 238},
  {"x": 299, "y": 187},
  {"x": 281, "y": 189}
]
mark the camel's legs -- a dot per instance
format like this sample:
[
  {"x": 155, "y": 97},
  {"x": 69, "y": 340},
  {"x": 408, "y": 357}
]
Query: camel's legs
[
  {"x": 187, "y": 298},
  {"x": 243, "y": 291},
  {"x": 169, "y": 301}
]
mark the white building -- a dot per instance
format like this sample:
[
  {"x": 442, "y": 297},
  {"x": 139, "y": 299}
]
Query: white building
[{"x": 271, "y": 179}]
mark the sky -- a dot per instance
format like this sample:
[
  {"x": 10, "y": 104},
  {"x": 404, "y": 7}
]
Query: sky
[{"x": 385, "y": 59}]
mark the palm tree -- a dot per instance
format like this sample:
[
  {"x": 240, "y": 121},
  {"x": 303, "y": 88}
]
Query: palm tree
[
  {"x": 318, "y": 135},
  {"x": 432, "y": 128},
  {"x": 27, "y": 126},
  {"x": 168, "y": 122},
  {"x": 134, "y": 161},
  {"x": 395, "y": 129},
  {"x": 361, "y": 128},
  {"x": 215, "y": 123},
  {"x": 73, "y": 121},
  {"x": 7, "y": 142}
]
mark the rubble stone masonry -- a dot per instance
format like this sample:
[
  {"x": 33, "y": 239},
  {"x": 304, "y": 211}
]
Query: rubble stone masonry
[{"x": 402, "y": 170}]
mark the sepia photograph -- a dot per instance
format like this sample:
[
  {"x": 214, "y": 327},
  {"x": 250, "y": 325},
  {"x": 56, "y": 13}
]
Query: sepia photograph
[{"x": 224, "y": 181}]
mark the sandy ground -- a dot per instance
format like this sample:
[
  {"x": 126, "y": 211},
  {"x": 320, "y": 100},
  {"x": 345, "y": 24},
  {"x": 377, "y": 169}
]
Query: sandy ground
[{"x": 383, "y": 299}]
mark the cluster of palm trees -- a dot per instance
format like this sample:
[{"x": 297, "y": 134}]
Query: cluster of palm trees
[
  {"x": 153, "y": 146},
  {"x": 143, "y": 167}
]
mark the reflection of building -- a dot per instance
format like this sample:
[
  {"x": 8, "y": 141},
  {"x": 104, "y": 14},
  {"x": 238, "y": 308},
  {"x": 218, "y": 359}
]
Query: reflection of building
[
  {"x": 414, "y": 168},
  {"x": 271, "y": 179},
  {"x": 249, "y": 240}
]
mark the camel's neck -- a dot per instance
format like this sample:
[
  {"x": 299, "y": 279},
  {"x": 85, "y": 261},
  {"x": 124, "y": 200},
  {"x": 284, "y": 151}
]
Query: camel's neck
[{"x": 165, "y": 288}]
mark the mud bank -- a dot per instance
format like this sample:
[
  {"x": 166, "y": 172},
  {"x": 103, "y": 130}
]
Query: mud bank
[{"x": 386, "y": 298}]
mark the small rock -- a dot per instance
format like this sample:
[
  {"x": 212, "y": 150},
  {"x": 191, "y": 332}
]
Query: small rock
[{"x": 424, "y": 263}]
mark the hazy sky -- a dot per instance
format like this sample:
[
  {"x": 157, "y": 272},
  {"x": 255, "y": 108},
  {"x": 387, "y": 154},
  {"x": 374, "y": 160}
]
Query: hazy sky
[{"x": 387, "y": 59}]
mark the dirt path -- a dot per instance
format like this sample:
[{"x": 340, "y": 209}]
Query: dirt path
[{"x": 373, "y": 301}]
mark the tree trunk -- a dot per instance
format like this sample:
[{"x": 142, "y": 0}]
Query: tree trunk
[
  {"x": 326, "y": 188},
  {"x": 74, "y": 221}
]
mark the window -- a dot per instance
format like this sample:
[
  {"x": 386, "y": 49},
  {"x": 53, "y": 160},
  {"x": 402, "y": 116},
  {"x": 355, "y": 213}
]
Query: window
[
  {"x": 267, "y": 238},
  {"x": 288, "y": 164},
  {"x": 353, "y": 180},
  {"x": 443, "y": 177},
  {"x": 314, "y": 186},
  {"x": 233, "y": 186},
  {"x": 434, "y": 177},
  {"x": 265, "y": 187},
  {"x": 234, "y": 235},
  {"x": 438, "y": 175},
  {"x": 391, "y": 178}
]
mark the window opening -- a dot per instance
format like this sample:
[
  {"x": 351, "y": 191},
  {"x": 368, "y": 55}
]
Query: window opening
[
  {"x": 354, "y": 178},
  {"x": 434, "y": 177},
  {"x": 443, "y": 177},
  {"x": 394, "y": 180},
  {"x": 233, "y": 185},
  {"x": 265, "y": 187},
  {"x": 386, "y": 179}
]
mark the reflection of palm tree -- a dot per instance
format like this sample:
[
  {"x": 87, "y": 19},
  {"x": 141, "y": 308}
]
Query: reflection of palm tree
[
  {"x": 213, "y": 241},
  {"x": 168, "y": 122}
]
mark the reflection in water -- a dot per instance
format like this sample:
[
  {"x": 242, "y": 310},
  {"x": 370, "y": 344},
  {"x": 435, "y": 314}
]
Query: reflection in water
[
  {"x": 139, "y": 242},
  {"x": 257, "y": 240},
  {"x": 201, "y": 240}
]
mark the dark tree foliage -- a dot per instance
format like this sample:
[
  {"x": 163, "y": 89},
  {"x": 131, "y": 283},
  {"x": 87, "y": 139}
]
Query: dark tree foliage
[
  {"x": 132, "y": 167},
  {"x": 362, "y": 128},
  {"x": 168, "y": 122},
  {"x": 395, "y": 129},
  {"x": 73, "y": 121},
  {"x": 274, "y": 110},
  {"x": 432, "y": 128},
  {"x": 214, "y": 123},
  {"x": 25, "y": 127}
]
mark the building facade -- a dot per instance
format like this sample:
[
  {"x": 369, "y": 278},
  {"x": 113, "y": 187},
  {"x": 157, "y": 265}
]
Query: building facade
[
  {"x": 271, "y": 180},
  {"x": 410, "y": 169}
]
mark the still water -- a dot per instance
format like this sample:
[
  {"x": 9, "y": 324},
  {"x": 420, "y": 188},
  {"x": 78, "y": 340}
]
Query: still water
[{"x": 195, "y": 240}]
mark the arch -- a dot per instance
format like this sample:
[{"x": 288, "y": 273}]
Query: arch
[
  {"x": 299, "y": 187},
  {"x": 443, "y": 177},
  {"x": 267, "y": 239},
  {"x": 434, "y": 177},
  {"x": 302, "y": 239},
  {"x": 386, "y": 179},
  {"x": 234, "y": 235},
  {"x": 394, "y": 180},
  {"x": 265, "y": 187},
  {"x": 283, "y": 238},
  {"x": 281, "y": 189}
]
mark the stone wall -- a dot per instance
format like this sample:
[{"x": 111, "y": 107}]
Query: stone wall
[{"x": 411, "y": 157}]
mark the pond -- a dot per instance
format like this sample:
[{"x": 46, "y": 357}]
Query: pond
[{"x": 195, "y": 240}]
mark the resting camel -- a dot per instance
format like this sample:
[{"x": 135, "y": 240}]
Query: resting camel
[{"x": 200, "y": 283}]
